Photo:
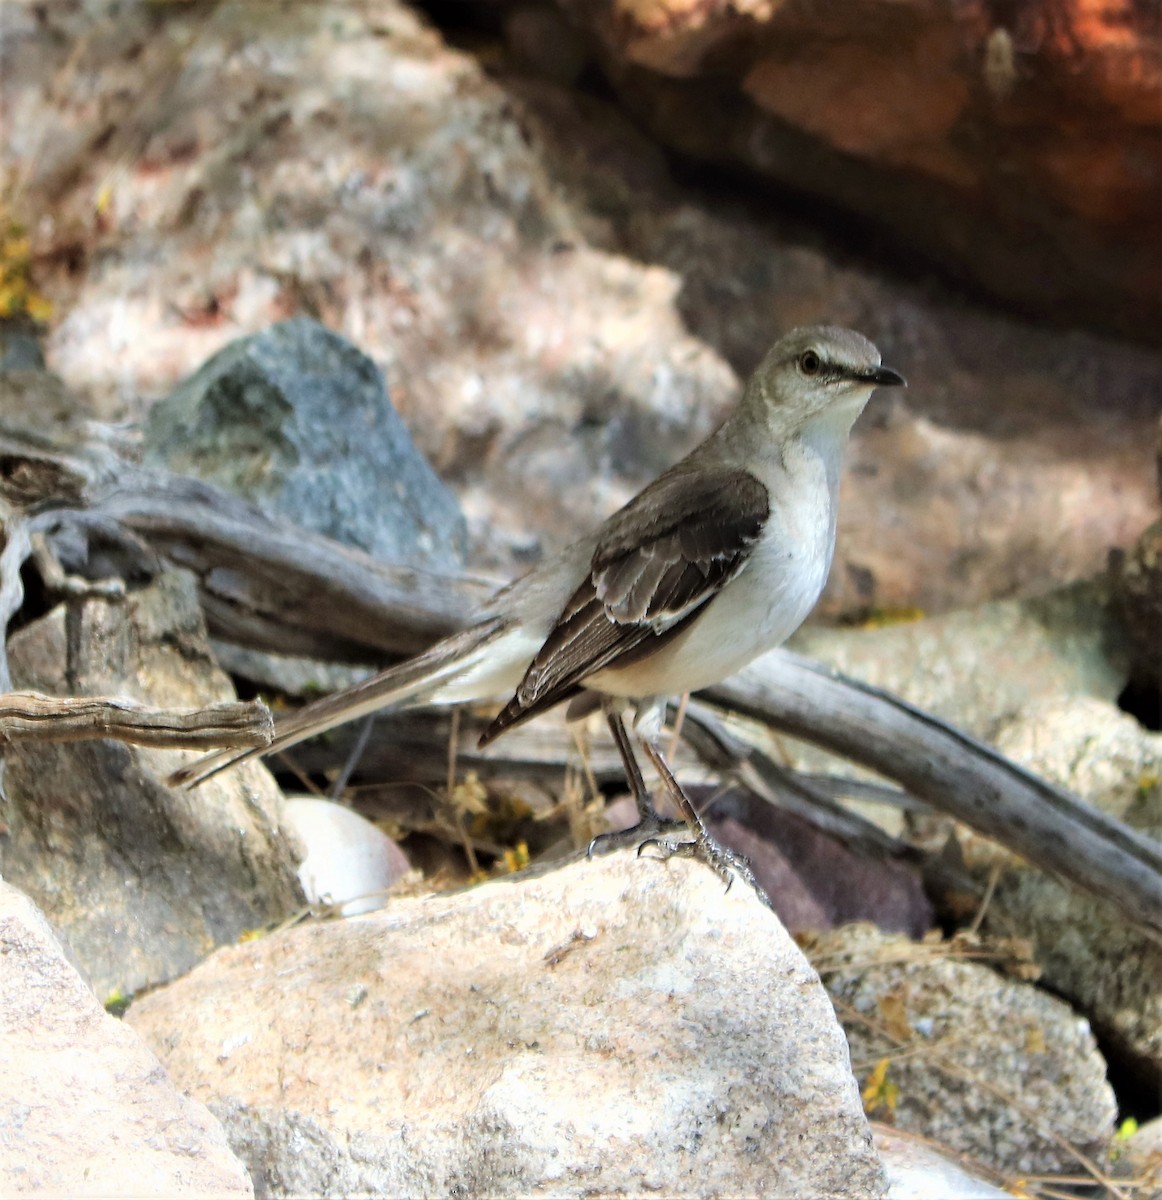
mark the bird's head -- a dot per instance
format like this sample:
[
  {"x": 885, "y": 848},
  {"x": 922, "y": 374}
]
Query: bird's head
[{"x": 818, "y": 369}]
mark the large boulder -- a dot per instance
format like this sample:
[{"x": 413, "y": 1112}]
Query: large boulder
[
  {"x": 617, "y": 1025},
  {"x": 85, "y": 1108},
  {"x": 1021, "y": 146},
  {"x": 141, "y": 881}
]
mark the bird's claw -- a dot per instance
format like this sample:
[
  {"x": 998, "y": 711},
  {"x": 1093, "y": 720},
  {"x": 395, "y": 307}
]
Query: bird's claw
[
  {"x": 724, "y": 863},
  {"x": 644, "y": 833},
  {"x": 669, "y": 847}
]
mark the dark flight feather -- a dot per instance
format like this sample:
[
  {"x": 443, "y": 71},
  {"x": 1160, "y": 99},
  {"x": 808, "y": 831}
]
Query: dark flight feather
[{"x": 657, "y": 563}]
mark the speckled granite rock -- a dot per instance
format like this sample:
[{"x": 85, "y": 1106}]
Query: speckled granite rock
[
  {"x": 298, "y": 420},
  {"x": 616, "y": 1025},
  {"x": 992, "y": 1067}
]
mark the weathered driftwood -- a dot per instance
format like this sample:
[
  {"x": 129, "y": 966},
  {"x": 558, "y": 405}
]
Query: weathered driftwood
[
  {"x": 33, "y": 717},
  {"x": 956, "y": 773},
  {"x": 787, "y": 789},
  {"x": 269, "y": 584},
  {"x": 264, "y": 583},
  {"x": 413, "y": 745}
]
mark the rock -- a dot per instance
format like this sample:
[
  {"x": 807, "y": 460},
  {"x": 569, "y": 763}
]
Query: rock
[
  {"x": 815, "y": 882},
  {"x": 614, "y": 1026},
  {"x": 1142, "y": 1152},
  {"x": 85, "y": 1108},
  {"x": 139, "y": 880},
  {"x": 542, "y": 41},
  {"x": 20, "y": 348},
  {"x": 979, "y": 667},
  {"x": 1020, "y": 149},
  {"x": 1136, "y": 586},
  {"x": 299, "y": 421},
  {"x": 1087, "y": 950},
  {"x": 36, "y": 404},
  {"x": 558, "y": 318},
  {"x": 987, "y": 1067},
  {"x": 286, "y": 674},
  {"x": 349, "y": 862},
  {"x": 917, "y": 1172}
]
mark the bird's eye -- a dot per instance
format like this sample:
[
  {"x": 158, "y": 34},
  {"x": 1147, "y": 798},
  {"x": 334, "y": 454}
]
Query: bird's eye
[{"x": 810, "y": 362}]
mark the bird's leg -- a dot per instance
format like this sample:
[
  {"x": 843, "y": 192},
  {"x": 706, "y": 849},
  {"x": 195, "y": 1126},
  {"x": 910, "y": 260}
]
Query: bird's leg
[
  {"x": 646, "y": 812},
  {"x": 658, "y": 831},
  {"x": 723, "y": 862},
  {"x": 650, "y": 826}
]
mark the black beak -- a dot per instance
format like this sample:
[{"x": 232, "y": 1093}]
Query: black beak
[{"x": 884, "y": 377}]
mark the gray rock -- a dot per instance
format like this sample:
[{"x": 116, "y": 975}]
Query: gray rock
[
  {"x": 1088, "y": 951},
  {"x": 985, "y": 1066},
  {"x": 85, "y": 1108},
  {"x": 1136, "y": 584},
  {"x": 141, "y": 881},
  {"x": 614, "y": 1026},
  {"x": 292, "y": 675},
  {"x": 299, "y": 421},
  {"x": 20, "y": 348}
]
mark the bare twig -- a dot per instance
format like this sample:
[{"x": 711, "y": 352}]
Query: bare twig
[
  {"x": 784, "y": 788},
  {"x": 32, "y": 717}
]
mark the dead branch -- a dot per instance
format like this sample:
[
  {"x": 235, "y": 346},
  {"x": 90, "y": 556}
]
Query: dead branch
[
  {"x": 955, "y": 773},
  {"x": 33, "y": 717},
  {"x": 264, "y": 583}
]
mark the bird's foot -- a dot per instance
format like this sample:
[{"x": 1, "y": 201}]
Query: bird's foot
[
  {"x": 658, "y": 835},
  {"x": 727, "y": 865},
  {"x": 651, "y": 830}
]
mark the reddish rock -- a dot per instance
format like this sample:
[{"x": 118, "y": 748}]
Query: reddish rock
[{"x": 1019, "y": 144}]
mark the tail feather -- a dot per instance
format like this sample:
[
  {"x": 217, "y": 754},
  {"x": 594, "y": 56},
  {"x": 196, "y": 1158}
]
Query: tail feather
[{"x": 417, "y": 677}]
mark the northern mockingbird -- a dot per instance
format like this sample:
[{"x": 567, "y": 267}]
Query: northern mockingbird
[{"x": 717, "y": 561}]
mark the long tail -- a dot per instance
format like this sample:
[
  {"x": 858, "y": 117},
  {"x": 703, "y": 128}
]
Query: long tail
[{"x": 418, "y": 676}]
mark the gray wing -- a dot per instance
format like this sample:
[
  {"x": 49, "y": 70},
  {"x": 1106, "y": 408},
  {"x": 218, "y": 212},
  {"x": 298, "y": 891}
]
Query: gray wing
[{"x": 657, "y": 563}]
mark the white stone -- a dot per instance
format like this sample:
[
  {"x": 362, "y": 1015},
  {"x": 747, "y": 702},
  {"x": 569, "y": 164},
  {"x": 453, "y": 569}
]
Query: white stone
[{"x": 349, "y": 861}]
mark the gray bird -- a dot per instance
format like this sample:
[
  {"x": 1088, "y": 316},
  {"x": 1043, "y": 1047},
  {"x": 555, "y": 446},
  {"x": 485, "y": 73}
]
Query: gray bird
[{"x": 717, "y": 561}]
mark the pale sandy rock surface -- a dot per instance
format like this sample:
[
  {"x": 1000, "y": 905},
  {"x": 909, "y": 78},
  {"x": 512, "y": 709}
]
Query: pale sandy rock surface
[
  {"x": 142, "y": 881},
  {"x": 85, "y": 1108},
  {"x": 984, "y": 1065},
  {"x": 979, "y": 667},
  {"x": 615, "y": 1025},
  {"x": 556, "y": 318}
]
